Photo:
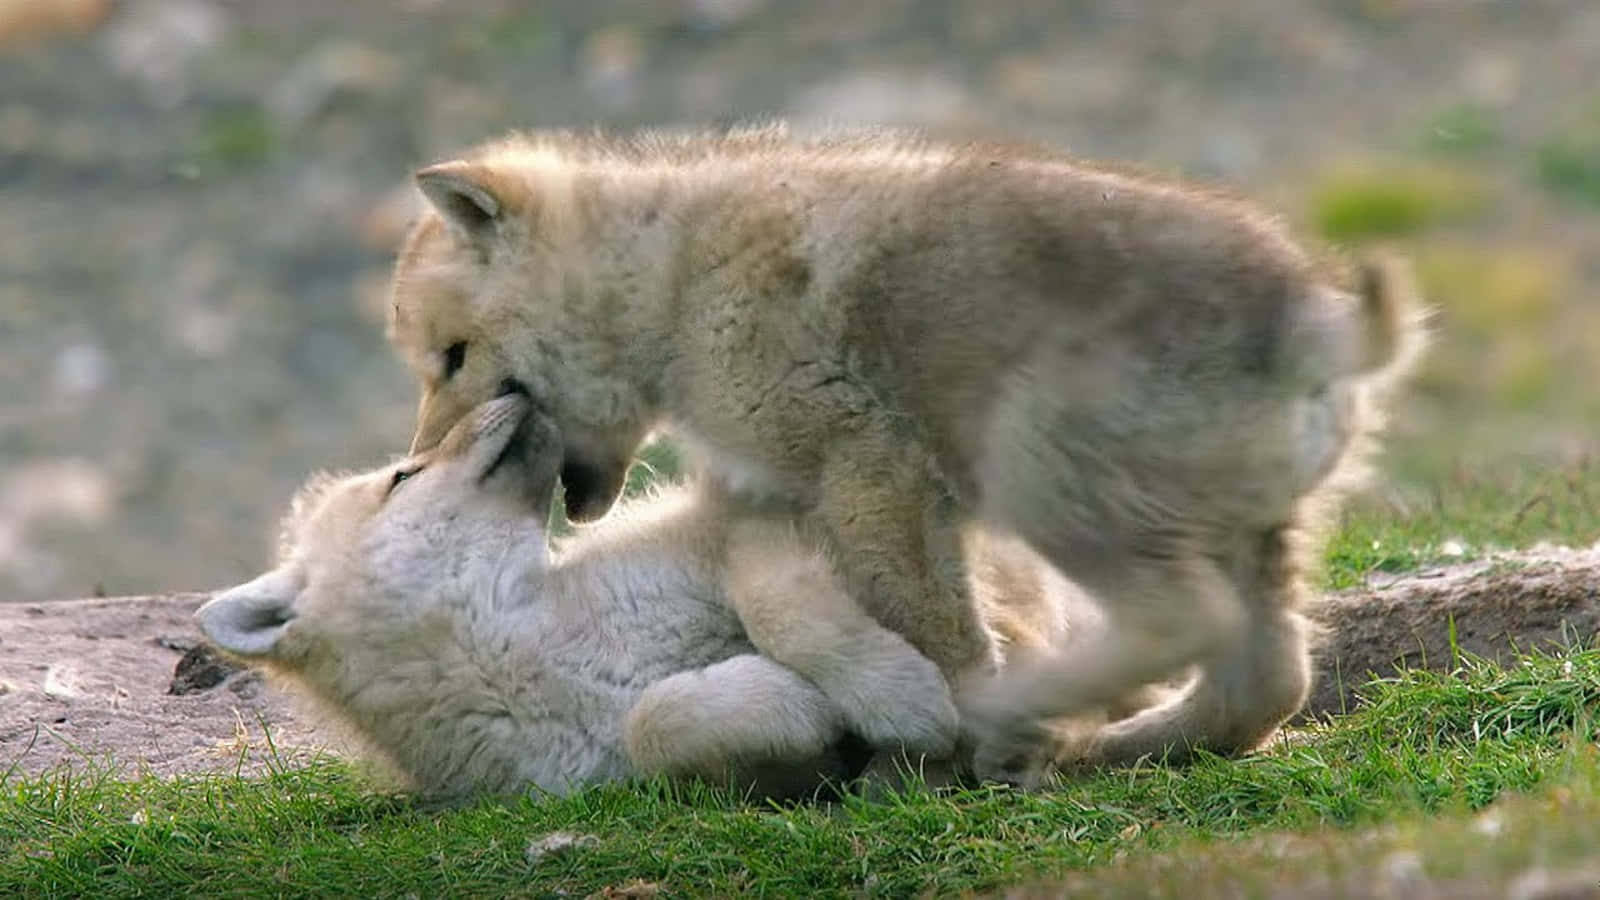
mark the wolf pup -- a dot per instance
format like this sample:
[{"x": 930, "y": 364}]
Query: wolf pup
[
  {"x": 884, "y": 338},
  {"x": 420, "y": 605}
]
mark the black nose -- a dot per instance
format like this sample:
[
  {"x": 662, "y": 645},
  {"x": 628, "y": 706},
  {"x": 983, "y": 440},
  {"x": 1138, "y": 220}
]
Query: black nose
[{"x": 512, "y": 386}]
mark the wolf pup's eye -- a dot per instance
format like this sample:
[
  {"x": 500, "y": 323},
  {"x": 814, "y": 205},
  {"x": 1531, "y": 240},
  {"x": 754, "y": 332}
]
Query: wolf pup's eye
[
  {"x": 399, "y": 476},
  {"x": 455, "y": 356}
]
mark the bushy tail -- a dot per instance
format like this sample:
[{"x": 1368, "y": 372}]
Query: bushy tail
[
  {"x": 1392, "y": 332},
  {"x": 1374, "y": 333}
]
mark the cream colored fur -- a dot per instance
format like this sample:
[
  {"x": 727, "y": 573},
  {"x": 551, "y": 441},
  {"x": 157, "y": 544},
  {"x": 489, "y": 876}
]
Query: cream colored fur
[
  {"x": 883, "y": 340},
  {"x": 429, "y": 615}
]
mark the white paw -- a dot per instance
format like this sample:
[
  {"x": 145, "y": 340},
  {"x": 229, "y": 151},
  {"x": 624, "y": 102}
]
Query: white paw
[
  {"x": 742, "y": 709},
  {"x": 666, "y": 729},
  {"x": 904, "y": 704}
]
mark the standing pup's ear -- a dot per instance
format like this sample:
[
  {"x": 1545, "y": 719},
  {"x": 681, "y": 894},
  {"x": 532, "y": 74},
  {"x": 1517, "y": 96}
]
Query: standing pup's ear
[
  {"x": 248, "y": 620},
  {"x": 465, "y": 194}
]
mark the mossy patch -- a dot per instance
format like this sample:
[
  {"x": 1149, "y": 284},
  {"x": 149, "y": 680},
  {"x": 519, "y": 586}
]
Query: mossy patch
[
  {"x": 1360, "y": 204},
  {"x": 1464, "y": 130},
  {"x": 1568, "y": 161}
]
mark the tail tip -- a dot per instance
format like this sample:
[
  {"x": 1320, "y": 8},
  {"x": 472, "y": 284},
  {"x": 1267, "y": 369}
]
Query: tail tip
[{"x": 1393, "y": 312}]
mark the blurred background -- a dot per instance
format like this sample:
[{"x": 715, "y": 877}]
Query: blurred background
[{"x": 200, "y": 200}]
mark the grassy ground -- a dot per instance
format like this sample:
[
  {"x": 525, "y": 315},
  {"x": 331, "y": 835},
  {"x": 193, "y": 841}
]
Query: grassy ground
[
  {"x": 1446, "y": 784},
  {"x": 1465, "y": 514},
  {"x": 1483, "y": 775},
  {"x": 1478, "y": 783},
  {"x": 1481, "y": 783}
]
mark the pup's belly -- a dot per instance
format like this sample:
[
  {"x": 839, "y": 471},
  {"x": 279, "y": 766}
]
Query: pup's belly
[{"x": 743, "y": 475}]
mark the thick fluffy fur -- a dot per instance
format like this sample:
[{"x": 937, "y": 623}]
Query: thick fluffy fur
[
  {"x": 419, "y": 604},
  {"x": 884, "y": 339}
]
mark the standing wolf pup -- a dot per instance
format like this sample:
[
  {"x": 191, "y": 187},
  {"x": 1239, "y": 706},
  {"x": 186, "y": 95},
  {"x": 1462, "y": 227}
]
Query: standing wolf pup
[{"x": 1145, "y": 383}]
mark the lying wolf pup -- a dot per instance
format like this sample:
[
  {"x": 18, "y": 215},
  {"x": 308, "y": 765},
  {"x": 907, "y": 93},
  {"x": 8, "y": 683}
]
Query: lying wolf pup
[{"x": 420, "y": 604}]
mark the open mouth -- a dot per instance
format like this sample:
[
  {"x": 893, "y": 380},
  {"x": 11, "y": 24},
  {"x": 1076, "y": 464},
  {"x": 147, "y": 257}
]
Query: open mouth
[{"x": 588, "y": 491}]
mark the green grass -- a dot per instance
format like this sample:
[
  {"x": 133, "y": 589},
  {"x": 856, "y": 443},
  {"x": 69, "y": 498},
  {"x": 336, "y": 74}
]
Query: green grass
[
  {"x": 1428, "y": 746},
  {"x": 1465, "y": 515}
]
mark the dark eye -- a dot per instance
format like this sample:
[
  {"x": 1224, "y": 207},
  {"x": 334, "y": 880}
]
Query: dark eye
[
  {"x": 401, "y": 475},
  {"x": 454, "y": 357}
]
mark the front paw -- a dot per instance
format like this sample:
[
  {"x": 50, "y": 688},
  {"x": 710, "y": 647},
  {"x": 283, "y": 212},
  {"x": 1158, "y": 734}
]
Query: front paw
[
  {"x": 743, "y": 709},
  {"x": 906, "y": 706}
]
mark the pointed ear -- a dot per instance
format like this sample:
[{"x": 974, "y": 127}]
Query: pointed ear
[
  {"x": 466, "y": 195},
  {"x": 248, "y": 620}
]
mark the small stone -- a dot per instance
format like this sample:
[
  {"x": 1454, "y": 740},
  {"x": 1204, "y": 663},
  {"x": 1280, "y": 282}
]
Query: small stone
[
  {"x": 61, "y": 682},
  {"x": 179, "y": 643},
  {"x": 200, "y": 669},
  {"x": 636, "y": 889},
  {"x": 557, "y": 843}
]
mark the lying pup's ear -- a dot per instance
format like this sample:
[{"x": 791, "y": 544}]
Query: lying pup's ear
[{"x": 248, "y": 620}]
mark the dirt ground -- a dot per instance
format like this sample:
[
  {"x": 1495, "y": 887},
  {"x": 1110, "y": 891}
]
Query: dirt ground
[
  {"x": 120, "y": 682},
  {"x": 89, "y": 684}
]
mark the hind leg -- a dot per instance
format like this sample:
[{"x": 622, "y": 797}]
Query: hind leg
[
  {"x": 1236, "y": 704},
  {"x": 1135, "y": 481},
  {"x": 1240, "y": 698},
  {"x": 1164, "y": 613}
]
